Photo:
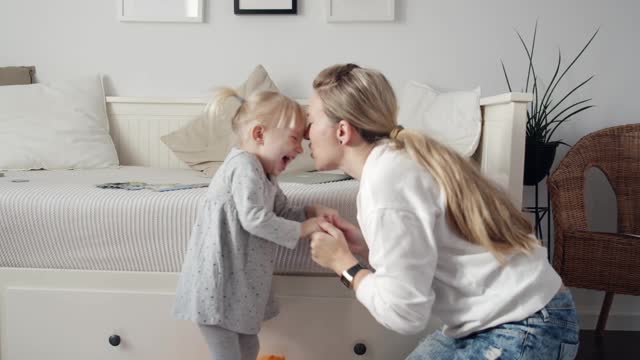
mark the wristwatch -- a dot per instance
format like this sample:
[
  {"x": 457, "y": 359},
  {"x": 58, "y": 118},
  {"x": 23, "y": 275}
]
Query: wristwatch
[{"x": 349, "y": 274}]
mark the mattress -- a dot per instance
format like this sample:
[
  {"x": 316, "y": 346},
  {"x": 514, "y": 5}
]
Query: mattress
[{"x": 60, "y": 219}]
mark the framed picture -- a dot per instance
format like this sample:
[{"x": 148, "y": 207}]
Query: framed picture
[
  {"x": 360, "y": 10},
  {"x": 252, "y": 7},
  {"x": 160, "y": 11}
]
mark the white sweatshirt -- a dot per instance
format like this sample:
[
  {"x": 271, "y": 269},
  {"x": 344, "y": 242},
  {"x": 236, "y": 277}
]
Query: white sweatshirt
[{"x": 422, "y": 266}]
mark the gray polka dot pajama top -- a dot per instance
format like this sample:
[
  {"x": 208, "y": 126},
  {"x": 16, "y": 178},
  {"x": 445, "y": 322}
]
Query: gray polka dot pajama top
[{"x": 227, "y": 270}]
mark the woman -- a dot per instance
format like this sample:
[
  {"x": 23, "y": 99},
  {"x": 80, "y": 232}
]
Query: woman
[{"x": 439, "y": 237}]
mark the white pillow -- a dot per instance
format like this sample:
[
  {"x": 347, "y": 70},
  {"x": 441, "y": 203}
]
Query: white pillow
[
  {"x": 58, "y": 125},
  {"x": 452, "y": 118}
]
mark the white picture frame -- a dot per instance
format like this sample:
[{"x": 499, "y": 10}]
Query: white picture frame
[
  {"x": 360, "y": 10},
  {"x": 265, "y": 7},
  {"x": 177, "y": 11}
]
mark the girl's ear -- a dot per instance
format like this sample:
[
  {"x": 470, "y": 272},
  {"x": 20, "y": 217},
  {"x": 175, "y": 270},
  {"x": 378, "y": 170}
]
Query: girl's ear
[{"x": 257, "y": 134}]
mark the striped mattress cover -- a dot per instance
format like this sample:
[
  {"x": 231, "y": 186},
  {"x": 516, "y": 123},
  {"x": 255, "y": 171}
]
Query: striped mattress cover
[{"x": 59, "y": 219}]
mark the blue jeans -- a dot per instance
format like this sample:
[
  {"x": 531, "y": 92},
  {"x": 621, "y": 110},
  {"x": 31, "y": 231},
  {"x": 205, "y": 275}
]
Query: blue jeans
[{"x": 549, "y": 334}]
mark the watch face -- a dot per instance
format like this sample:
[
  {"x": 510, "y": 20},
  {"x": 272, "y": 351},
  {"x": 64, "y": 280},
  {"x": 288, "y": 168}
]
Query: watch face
[
  {"x": 346, "y": 282},
  {"x": 349, "y": 274}
]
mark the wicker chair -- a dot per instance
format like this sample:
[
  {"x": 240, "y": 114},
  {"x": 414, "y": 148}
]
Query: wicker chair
[{"x": 601, "y": 261}]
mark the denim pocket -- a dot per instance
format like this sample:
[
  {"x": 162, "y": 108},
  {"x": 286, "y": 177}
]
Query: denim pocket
[
  {"x": 568, "y": 351},
  {"x": 561, "y": 318}
]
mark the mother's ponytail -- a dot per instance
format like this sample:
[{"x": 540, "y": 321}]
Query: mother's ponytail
[{"x": 480, "y": 211}]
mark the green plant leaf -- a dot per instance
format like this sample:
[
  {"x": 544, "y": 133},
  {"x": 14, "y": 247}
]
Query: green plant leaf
[
  {"x": 544, "y": 128},
  {"x": 544, "y": 113},
  {"x": 547, "y": 93},
  {"x": 559, "y": 122},
  {"x": 567, "y": 108},
  {"x": 533, "y": 45},
  {"x": 571, "y": 92},
  {"x": 534, "y": 104},
  {"x": 505, "y": 76},
  {"x": 574, "y": 60}
]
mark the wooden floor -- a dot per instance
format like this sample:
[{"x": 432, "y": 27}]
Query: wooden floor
[{"x": 614, "y": 345}]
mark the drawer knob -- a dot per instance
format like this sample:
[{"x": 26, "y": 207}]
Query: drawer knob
[
  {"x": 114, "y": 340},
  {"x": 360, "y": 349}
]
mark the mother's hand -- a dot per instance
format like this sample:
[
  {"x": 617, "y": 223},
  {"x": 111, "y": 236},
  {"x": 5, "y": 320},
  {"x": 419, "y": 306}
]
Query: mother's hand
[
  {"x": 329, "y": 249},
  {"x": 353, "y": 235}
]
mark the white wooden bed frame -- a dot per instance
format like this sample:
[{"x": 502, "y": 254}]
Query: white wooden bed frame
[{"x": 65, "y": 314}]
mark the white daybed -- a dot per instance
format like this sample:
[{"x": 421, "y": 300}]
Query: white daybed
[{"x": 59, "y": 313}]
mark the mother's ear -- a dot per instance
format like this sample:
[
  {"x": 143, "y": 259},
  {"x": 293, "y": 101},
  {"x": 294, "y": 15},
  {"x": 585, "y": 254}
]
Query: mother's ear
[{"x": 346, "y": 133}]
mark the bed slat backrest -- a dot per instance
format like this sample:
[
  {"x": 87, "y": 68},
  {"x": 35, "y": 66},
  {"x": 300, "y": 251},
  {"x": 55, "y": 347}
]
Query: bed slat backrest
[{"x": 137, "y": 123}]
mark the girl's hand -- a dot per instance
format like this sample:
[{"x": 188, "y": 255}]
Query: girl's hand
[
  {"x": 324, "y": 212},
  {"x": 329, "y": 249},
  {"x": 310, "y": 226}
]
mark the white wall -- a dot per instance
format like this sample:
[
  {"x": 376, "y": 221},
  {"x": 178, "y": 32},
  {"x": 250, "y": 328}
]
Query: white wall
[{"x": 454, "y": 44}]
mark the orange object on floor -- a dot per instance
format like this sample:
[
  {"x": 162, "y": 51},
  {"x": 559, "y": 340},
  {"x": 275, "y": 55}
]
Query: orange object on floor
[{"x": 271, "y": 357}]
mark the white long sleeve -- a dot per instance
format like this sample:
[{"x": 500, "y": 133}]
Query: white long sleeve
[
  {"x": 422, "y": 267},
  {"x": 399, "y": 296}
]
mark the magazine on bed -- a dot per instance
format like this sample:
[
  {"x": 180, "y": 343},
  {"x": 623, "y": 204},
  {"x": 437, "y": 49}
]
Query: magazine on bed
[
  {"x": 314, "y": 177},
  {"x": 135, "y": 185}
]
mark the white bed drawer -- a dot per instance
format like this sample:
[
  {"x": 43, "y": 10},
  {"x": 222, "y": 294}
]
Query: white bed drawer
[
  {"x": 70, "y": 324},
  {"x": 330, "y": 328},
  {"x": 76, "y": 324}
]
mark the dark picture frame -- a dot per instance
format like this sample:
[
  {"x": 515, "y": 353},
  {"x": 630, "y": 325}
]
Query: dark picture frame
[{"x": 265, "y": 10}]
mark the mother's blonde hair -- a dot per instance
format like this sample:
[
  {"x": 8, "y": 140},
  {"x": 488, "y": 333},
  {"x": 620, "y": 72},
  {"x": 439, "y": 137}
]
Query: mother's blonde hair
[{"x": 476, "y": 208}]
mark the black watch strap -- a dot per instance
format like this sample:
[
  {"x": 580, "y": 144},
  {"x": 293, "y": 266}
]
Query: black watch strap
[{"x": 350, "y": 274}]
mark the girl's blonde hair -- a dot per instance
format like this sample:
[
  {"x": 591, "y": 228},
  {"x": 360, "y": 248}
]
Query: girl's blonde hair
[
  {"x": 476, "y": 208},
  {"x": 267, "y": 108}
]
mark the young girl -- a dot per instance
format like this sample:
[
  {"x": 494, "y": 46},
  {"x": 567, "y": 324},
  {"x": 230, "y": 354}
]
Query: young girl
[{"x": 225, "y": 284}]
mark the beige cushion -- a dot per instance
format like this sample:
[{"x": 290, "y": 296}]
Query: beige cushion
[
  {"x": 205, "y": 141},
  {"x": 17, "y": 75}
]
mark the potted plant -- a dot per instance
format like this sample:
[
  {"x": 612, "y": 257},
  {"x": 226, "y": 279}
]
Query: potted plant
[{"x": 546, "y": 112}]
